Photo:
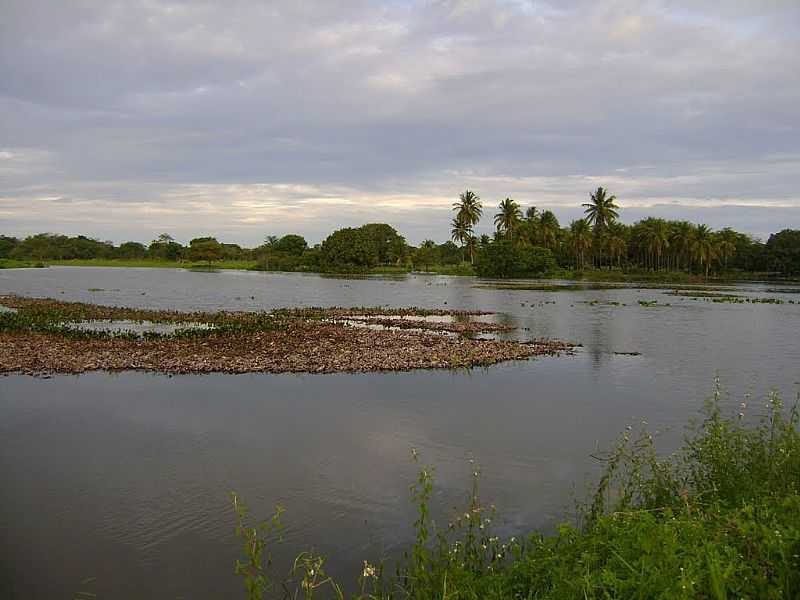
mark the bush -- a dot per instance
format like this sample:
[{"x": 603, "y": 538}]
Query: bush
[{"x": 506, "y": 259}]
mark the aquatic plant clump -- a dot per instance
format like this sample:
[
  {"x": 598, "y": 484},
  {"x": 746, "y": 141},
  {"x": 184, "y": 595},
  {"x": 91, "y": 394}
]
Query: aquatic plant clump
[{"x": 42, "y": 337}]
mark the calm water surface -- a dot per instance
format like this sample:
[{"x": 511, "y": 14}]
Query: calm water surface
[{"x": 124, "y": 478}]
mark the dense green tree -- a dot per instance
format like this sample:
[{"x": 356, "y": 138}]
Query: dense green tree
[
  {"x": 449, "y": 254},
  {"x": 205, "y": 249},
  {"x": 783, "y": 251},
  {"x": 164, "y": 247},
  {"x": 426, "y": 255},
  {"x": 7, "y": 245},
  {"x": 348, "y": 249},
  {"x": 132, "y": 250},
  {"x": 504, "y": 259},
  {"x": 390, "y": 246},
  {"x": 291, "y": 244}
]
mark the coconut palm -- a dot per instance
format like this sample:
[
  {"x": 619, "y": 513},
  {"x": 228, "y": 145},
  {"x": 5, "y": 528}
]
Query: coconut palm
[
  {"x": 459, "y": 231},
  {"x": 471, "y": 245},
  {"x": 704, "y": 248},
  {"x": 680, "y": 242},
  {"x": 658, "y": 240},
  {"x": 469, "y": 208},
  {"x": 468, "y": 212},
  {"x": 617, "y": 244},
  {"x": 600, "y": 211},
  {"x": 726, "y": 244},
  {"x": 580, "y": 240},
  {"x": 548, "y": 229},
  {"x": 508, "y": 217}
]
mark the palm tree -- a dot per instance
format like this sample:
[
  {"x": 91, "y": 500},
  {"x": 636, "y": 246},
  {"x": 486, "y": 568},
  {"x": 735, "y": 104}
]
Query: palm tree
[
  {"x": 469, "y": 207},
  {"x": 548, "y": 229},
  {"x": 726, "y": 244},
  {"x": 704, "y": 248},
  {"x": 460, "y": 232},
  {"x": 471, "y": 244},
  {"x": 600, "y": 212},
  {"x": 681, "y": 240},
  {"x": 580, "y": 240},
  {"x": 509, "y": 216},
  {"x": 617, "y": 245},
  {"x": 658, "y": 240},
  {"x": 468, "y": 212}
]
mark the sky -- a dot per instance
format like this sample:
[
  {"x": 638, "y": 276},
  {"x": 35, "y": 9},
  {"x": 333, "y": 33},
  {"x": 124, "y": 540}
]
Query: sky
[{"x": 246, "y": 118}]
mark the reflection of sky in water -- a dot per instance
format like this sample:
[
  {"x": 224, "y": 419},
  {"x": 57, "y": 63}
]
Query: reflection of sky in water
[
  {"x": 135, "y": 327},
  {"x": 138, "y": 466},
  {"x": 6, "y": 309}
]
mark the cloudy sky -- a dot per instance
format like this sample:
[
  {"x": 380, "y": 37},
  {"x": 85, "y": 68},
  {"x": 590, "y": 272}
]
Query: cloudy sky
[{"x": 123, "y": 119}]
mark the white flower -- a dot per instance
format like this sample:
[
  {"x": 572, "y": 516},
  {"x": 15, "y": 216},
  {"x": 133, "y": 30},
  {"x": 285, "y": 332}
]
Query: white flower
[{"x": 369, "y": 570}]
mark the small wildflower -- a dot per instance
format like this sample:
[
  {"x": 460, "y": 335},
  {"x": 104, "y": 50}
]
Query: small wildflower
[{"x": 369, "y": 570}]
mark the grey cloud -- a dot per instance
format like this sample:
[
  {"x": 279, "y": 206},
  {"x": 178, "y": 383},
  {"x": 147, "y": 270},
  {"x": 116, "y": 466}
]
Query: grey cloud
[{"x": 124, "y": 101}]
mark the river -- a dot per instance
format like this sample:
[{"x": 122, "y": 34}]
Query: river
[{"x": 119, "y": 484}]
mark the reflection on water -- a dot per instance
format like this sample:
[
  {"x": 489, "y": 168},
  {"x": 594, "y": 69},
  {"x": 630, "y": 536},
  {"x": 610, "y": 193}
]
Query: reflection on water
[
  {"x": 125, "y": 477},
  {"x": 134, "y": 327}
]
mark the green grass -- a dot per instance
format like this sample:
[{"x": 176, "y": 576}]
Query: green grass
[
  {"x": 150, "y": 263},
  {"x": 10, "y": 263},
  {"x": 719, "y": 519}
]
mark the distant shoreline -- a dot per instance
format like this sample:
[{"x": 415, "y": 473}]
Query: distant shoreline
[{"x": 594, "y": 275}]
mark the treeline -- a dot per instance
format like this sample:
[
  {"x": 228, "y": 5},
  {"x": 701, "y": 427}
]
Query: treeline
[
  {"x": 48, "y": 246},
  {"x": 526, "y": 244}
]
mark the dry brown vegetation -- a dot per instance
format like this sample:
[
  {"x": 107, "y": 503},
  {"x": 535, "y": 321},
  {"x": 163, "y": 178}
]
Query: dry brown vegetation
[{"x": 300, "y": 341}]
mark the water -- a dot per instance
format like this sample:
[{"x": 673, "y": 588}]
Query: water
[
  {"x": 137, "y": 328},
  {"x": 125, "y": 477}
]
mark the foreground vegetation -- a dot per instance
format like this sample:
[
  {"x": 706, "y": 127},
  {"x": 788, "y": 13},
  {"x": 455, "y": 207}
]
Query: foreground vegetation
[
  {"x": 533, "y": 244},
  {"x": 718, "y": 519}
]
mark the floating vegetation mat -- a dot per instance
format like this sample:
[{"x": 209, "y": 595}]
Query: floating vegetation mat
[
  {"x": 582, "y": 286},
  {"x": 730, "y": 298},
  {"x": 700, "y": 294},
  {"x": 551, "y": 287},
  {"x": 48, "y": 336}
]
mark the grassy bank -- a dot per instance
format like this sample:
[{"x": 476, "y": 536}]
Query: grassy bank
[
  {"x": 719, "y": 519},
  {"x": 150, "y": 263},
  {"x": 9, "y": 263}
]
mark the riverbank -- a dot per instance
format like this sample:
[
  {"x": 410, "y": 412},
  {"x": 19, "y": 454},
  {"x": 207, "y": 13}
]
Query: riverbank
[
  {"x": 464, "y": 270},
  {"x": 9, "y": 263},
  {"x": 42, "y": 336}
]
